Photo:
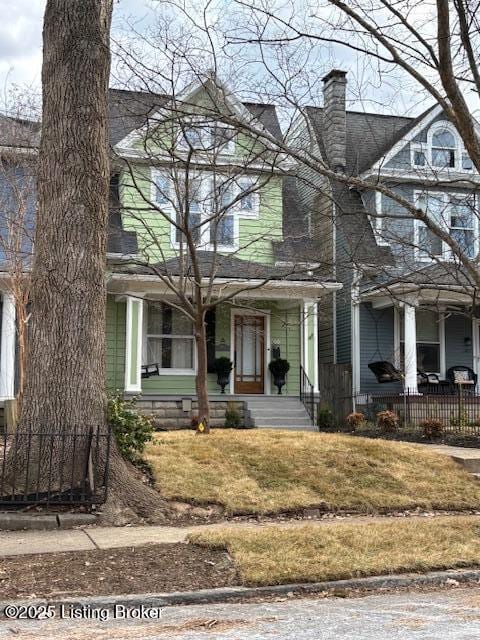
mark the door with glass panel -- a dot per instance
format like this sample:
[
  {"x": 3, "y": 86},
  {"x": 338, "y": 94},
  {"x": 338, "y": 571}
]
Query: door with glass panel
[{"x": 249, "y": 349}]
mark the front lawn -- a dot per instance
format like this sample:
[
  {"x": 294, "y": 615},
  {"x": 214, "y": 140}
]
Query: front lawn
[
  {"x": 281, "y": 555},
  {"x": 267, "y": 472}
]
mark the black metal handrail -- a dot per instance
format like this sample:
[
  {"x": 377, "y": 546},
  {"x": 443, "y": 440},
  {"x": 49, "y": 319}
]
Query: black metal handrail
[
  {"x": 51, "y": 466},
  {"x": 307, "y": 395}
]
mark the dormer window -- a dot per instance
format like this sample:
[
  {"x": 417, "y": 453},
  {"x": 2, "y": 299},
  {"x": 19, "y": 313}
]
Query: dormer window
[{"x": 444, "y": 148}]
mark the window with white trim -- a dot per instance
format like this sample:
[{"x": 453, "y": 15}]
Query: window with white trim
[
  {"x": 201, "y": 134},
  {"x": 428, "y": 341},
  {"x": 444, "y": 150},
  {"x": 169, "y": 339},
  {"x": 455, "y": 213},
  {"x": 211, "y": 206}
]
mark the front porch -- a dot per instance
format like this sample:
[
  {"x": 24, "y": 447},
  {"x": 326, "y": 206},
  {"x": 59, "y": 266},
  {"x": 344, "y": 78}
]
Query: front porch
[
  {"x": 278, "y": 321},
  {"x": 427, "y": 337}
]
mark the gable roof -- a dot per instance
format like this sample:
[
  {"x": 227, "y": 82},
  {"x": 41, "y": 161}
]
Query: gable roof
[{"x": 369, "y": 135}]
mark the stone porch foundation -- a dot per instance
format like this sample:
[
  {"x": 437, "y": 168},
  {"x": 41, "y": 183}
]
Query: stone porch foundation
[{"x": 169, "y": 414}]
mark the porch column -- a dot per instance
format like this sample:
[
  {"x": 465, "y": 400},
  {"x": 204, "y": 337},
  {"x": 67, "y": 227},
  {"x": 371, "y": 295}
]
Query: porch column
[
  {"x": 410, "y": 342},
  {"x": 7, "y": 348},
  {"x": 133, "y": 347}
]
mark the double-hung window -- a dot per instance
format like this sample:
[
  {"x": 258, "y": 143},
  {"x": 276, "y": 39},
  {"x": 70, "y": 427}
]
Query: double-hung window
[
  {"x": 428, "y": 341},
  {"x": 190, "y": 208},
  {"x": 462, "y": 223},
  {"x": 170, "y": 342},
  {"x": 444, "y": 149},
  {"x": 455, "y": 214},
  {"x": 428, "y": 245}
]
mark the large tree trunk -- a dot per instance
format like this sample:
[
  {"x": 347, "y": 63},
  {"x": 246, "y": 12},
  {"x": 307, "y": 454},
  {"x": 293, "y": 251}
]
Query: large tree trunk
[
  {"x": 65, "y": 381},
  {"x": 66, "y": 363}
]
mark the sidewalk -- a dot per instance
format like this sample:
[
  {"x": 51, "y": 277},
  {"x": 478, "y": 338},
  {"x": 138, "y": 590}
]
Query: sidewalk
[{"x": 13, "y": 543}]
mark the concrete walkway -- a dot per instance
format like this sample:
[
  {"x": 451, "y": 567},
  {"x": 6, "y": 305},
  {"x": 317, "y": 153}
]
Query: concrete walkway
[
  {"x": 14, "y": 543},
  {"x": 467, "y": 457}
]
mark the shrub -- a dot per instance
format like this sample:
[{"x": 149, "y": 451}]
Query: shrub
[
  {"x": 355, "y": 420},
  {"x": 279, "y": 367},
  {"x": 325, "y": 421},
  {"x": 387, "y": 421},
  {"x": 233, "y": 419},
  {"x": 432, "y": 427},
  {"x": 132, "y": 430}
]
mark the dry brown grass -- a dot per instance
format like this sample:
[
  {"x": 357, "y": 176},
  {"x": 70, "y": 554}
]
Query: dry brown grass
[
  {"x": 279, "y": 555},
  {"x": 273, "y": 471}
]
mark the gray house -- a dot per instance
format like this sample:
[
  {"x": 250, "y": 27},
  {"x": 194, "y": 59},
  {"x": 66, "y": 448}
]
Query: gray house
[{"x": 406, "y": 300}]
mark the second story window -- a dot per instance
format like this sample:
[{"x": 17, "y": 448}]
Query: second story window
[
  {"x": 454, "y": 213},
  {"x": 208, "y": 207}
]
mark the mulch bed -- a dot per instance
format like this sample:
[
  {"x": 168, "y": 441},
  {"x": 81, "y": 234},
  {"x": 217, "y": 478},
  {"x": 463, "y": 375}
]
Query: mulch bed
[{"x": 146, "y": 569}]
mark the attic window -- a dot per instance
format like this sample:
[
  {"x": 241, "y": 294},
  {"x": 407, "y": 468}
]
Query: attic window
[
  {"x": 202, "y": 135},
  {"x": 443, "y": 149}
]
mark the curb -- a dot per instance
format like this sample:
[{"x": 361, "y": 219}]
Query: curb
[
  {"x": 225, "y": 594},
  {"x": 14, "y": 521}
]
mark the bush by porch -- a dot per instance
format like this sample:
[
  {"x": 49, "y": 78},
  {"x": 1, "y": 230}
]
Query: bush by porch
[{"x": 268, "y": 472}]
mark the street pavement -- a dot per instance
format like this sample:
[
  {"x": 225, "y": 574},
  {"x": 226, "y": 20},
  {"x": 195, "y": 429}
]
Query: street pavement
[{"x": 452, "y": 614}]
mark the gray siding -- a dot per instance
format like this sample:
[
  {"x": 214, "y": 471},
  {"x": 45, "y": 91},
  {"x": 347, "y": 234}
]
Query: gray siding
[
  {"x": 457, "y": 351},
  {"x": 376, "y": 343}
]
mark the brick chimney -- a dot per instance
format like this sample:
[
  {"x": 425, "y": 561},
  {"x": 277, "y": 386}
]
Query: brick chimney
[{"x": 334, "y": 119}]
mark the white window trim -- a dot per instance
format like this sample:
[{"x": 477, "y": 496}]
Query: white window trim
[
  {"x": 189, "y": 123},
  {"x": 166, "y": 371},
  {"x": 427, "y": 149},
  {"x": 397, "y": 332},
  {"x": 445, "y": 197},
  {"x": 377, "y": 222},
  {"x": 236, "y": 211}
]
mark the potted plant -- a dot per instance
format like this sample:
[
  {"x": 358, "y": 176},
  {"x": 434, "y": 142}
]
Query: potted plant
[
  {"x": 222, "y": 367},
  {"x": 279, "y": 369}
]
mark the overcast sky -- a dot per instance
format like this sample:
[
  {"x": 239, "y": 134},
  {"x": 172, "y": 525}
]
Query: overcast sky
[
  {"x": 21, "y": 53},
  {"x": 21, "y": 36}
]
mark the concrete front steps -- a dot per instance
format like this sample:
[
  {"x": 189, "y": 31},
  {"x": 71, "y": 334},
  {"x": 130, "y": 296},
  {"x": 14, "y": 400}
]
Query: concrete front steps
[{"x": 278, "y": 412}]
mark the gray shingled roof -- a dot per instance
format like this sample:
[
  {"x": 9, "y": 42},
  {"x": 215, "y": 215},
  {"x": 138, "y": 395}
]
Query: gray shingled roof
[
  {"x": 368, "y": 137},
  {"x": 441, "y": 275},
  {"x": 15, "y": 132},
  {"x": 226, "y": 266},
  {"x": 129, "y": 110},
  {"x": 297, "y": 245}
]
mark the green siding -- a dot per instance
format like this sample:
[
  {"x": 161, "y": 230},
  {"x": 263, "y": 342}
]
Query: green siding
[
  {"x": 285, "y": 331},
  {"x": 115, "y": 332},
  {"x": 154, "y": 231}
]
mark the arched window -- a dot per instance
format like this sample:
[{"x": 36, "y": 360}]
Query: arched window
[{"x": 444, "y": 149}]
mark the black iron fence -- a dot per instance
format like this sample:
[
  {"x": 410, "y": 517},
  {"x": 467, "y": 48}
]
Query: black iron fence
[
  {"x": 42, "y": 466},
  {"x": 458, "y": 412},
  {"x": 307, "y": 393}
]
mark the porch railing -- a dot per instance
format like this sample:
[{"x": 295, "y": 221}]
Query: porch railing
[
  {"x": 307, "y": 395},
  {"x": 43, "y": 466}
]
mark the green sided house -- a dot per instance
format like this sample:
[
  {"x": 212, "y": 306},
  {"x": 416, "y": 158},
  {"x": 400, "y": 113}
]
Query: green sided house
[{"x": 200, "y": 194}]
